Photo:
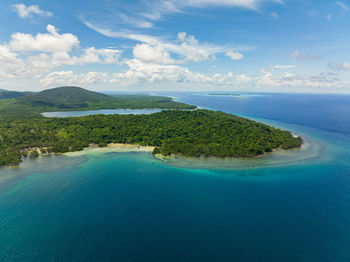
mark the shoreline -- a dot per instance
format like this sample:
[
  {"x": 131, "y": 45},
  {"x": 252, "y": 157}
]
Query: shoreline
[
  {"x": 310, "y": 149},
  {"x": 110, "y": 148},
  {"x": 177, "y": 160}
]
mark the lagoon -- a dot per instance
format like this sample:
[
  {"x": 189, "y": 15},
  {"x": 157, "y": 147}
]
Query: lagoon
[{"x": 101, "y": 111}]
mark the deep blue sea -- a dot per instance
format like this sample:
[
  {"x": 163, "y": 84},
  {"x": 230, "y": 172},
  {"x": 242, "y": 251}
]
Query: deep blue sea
[{"x": 133, "y": 207}]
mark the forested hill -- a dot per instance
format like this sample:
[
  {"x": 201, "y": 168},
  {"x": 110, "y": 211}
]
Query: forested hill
[
  {"x": 5, "y": 94},
  {"x": 73, "y": 98},
  {"x": 29, "y": 105},
  {"x": 65, "y": 97},
  {"x": 188, "y": 133}
]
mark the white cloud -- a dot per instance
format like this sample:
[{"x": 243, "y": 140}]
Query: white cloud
[
  {"x": 27, "y": 56},
  {"x": 288, "y": 80},
  {"x": 6, "y": 54},
  {"x": 44, "y": 62},
  {"x": 186, "y": 46},
  {"x": 27, "y": 11},
  {"x": 135, "y": 22},
  {"x": 36, "y": 65},
  {"x": 252, "y": 4},
  {"x": 156, "y": 9},
  {"x": 120, "y": 34},
  {"x": 11, "y": 66},
  {"x": 152, "y": 54},
  {"x": 140, "y": 73},
  {"x": 146, "y": 73},
  {"x": 51, "y": 42},
  {"x": 234, "y": 55},
  {"x": 71, "y": 78},
  {"x": 143, "y": 14},
  {"x": 277, "y": 67},
  {"x": 190, "y": 49},
  {"x": 343, "y": 6},
  {"x": 298, "y": 56},
  {"x": 165, "y": 76},
  {"x": 345, "y": 66},
  {"x": 329, "y": 17},
  {"x": 106, "y": 56},
  {"x": 35, "y": 56}
]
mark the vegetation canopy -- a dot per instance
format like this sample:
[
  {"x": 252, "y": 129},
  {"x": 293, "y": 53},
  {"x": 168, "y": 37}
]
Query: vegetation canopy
[{"x": 188, "y": 133}]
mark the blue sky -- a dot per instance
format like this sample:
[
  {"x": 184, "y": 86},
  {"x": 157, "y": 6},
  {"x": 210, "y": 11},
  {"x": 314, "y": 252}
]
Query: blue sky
[{"x": 192, "y": 45}]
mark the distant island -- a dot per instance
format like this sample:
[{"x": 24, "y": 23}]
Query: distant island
[
  {"x": 25, "y": 133},
  {"x": 225, "y": 94}
]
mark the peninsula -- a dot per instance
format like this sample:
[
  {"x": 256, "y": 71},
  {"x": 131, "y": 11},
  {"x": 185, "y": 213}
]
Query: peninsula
[{"x": 23, "y": 131}]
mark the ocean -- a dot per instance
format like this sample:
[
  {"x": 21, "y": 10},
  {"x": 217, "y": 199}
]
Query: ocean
[{"x": 129, "y": 206}]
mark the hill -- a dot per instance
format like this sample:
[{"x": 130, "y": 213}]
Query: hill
[
  {"x": 65, "y": 97},
  {"x": 76, "y": 98},
  {"x": 5, "y": 94}
]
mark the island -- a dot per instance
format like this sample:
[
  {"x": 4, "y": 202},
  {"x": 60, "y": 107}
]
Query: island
[
  {"x": 222, "y": 94},
  {"x": 24, "y": 132}
]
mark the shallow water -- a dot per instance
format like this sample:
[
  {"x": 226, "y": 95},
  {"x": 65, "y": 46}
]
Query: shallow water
[{"x": 105, "y": 206}]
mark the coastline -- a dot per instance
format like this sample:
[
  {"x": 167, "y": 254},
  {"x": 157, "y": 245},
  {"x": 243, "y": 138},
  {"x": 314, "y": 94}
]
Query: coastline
[
  {"x": 276, "y": 157},
  {"x": 110, "y": 148},
  {"x": 311, "y": 149}
]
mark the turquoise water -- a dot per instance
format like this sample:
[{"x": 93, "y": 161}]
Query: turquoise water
[{"x": 132, "y": 207}]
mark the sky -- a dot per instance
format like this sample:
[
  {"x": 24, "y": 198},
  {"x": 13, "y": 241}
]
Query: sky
[{"x": 176, "y": 45}]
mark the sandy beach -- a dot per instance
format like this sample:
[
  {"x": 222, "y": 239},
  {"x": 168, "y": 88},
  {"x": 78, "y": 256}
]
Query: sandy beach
[{"x": 113, "y": 147}]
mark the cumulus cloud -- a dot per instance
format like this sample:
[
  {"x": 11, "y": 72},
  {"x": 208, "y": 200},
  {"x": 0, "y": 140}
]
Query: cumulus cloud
[
  {"x": 71, "y": 78},
  {"x": 191, "y": 50},
  {"x": 50, "y": 42},
  {"x": 345, "y": 66},
  {"x": 187, "y": 47},
  {"x": 45, "y": 62},
  {"x": 24, "y": 11},
  {"x": 34, "y": 66},
  {"x": 156, "y": 50},
  {"x": 234, "y": 55},
  {"x": 11, "y": 66},
  {"x": 152, "y": 54},
  {"x": 104, "y": 55},
  {"x": 6, "y": 54},
  {"x": 322, "y": 80},
  {"x": 140, "y": 73},
  {"x": 154, "y": 75},
  {"x": 28, "y": 56},
  {"x": 298, "y": 56},
  {"x": 36, "y": 56}
]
